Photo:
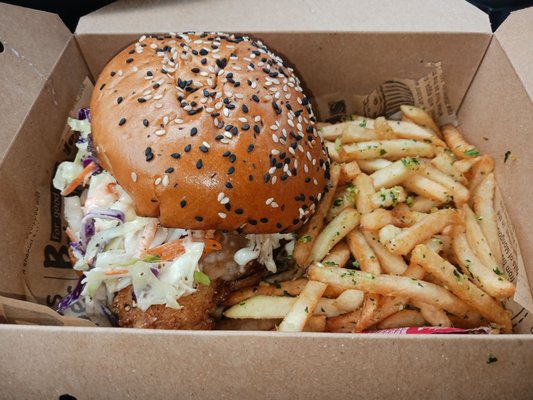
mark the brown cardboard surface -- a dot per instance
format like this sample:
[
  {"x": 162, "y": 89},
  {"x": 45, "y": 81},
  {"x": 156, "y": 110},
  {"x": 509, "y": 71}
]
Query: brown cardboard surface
[
  {"x": 290, "y": 16},
  {"x": 110, "y": 363},
  {"x": 29, "y": 162},
  {"x": 33, "y": 41},
  {"x": 519, "y": 52},
  {"x": 498, "y": 108}
]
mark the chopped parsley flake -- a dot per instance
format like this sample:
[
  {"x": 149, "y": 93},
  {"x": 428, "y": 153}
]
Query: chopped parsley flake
[
  {"x": 473, "y": 152},
  {"x": 201, "y": 278},
  {"x": 305, "y": 239},
  {"x": 491, "y": 358},
  {"x": 362, "y": 123}
]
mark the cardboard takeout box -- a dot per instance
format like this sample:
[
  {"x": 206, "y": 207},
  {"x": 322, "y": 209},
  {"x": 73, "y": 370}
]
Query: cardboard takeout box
[{"x": 336, "y": 46}]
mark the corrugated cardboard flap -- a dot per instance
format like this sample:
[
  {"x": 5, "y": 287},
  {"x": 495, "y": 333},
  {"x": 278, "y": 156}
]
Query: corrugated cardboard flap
[
  {"x": 32, "y": 41},
  {"x": 515, "y": 36},
  {"x": 280, "y": 15}
]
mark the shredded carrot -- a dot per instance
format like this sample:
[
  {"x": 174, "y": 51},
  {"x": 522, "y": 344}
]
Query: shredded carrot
[
  {"x": 77, "y": 181},
  {"x": 171, "y": 250},
  {"x": 212, "y": 245},
  {"x": 71, "y": 235},
  {"x": 147, "y": 237},
  {"x": 117, "y": 272},
  {"x": 112, "y": 189},
  {"x": 168, "y": 251}
]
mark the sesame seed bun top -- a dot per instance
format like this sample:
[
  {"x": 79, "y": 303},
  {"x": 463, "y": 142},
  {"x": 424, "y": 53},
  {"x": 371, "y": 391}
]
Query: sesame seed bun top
[{"x": 209, "y": 131}]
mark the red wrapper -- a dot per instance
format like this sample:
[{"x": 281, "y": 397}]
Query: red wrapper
[{"x": 430, "y": 330}]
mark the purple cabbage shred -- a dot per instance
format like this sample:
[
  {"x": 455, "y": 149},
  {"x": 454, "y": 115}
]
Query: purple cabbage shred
[{"x": 72, "y": 297}]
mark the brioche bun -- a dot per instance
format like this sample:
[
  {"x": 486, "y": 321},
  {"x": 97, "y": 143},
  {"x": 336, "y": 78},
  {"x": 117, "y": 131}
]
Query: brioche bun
[{"x": 209, "y": 131}]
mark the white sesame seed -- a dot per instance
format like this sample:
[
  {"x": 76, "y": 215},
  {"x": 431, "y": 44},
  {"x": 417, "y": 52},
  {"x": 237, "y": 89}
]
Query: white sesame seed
[
  {"x": 272, "y": 170},
  {"x": 257, "y": 118},
  {"x": 134, "y": 177},
  {"x": 158, "y": 105},
  {"x": 142, "y": 38},
  {"x": 225, "y": 200},
  {"x": 178, "y": 121},
  {"x": 274, "y": 127},
  {"x": 135, "y": 69},
  {"x": 188, "y": 107},
  {"x": 306, "y": 168},
  {"x": 220, "y": 196},
  {"x": 119, "y": 72},
  {"x": 225, "y": 111},
  {"x": 153, "y": 46},
  {"x": 157, "y": 181},
  {"x": 203, "y": 100},
  {"x": 289, "y": 121},
  {"x": 239, "y": 95},
  {"x": 206, "y": 144},
  {"x": 285, "y": 167},
  {"x": 274, "y": 179},
  {"x": 209, "y": 109},
  {"x": 254, "y": 84},
  {"x": 275, "y": 152},
  {"x": 275, "y": 139},
  {"x": 274, "y": 204},
  {"x": 315, "y": 181},
  {"x": 269, "y": 201},
  {"x": 225, "y": 141},
  {"x": 165, "y": 120},
  {"x": 218, "y": 105},
  {"x": 166, "y": 180},
  {"x": 228, "y": 135},
  {"x": 160, "y": 132},
  {"x": 210, "y": 82},
  {"x": 222, "y": 215},
  {"x": 300, "y": 147},
  {"x": 242, "y": 119},
  {"x": 147, "y": 92},
  {"x": 291, "y": 150}
]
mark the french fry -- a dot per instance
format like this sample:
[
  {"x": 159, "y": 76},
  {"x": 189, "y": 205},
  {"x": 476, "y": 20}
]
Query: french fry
[
  {"x": 390, "y": 263},
  {"x": 478, "y": 241},
  {"x": 272, "y": 307},
  {"x": 377, "y": 219},
  {"x": 409, "y": 130},
  {"x": 459, "y": 192},
  {"x": 434, "y": 315},
  {"x": 303, "y": 307},
  {"x": 343, "y": 323},
  {"x": 285, "y": 288},
  {"x": 310, "y": 231},
  {"x": 420, "y": 117},
  {"x": 370, "y": 305},
  {"x": 365, "y": 188},
  {"x": 332, "y": 132},
  {"x": 344, "y": 198},
  {"x": 333, "y": 233},
  {"x": 390, "y": 149},
  {"x": 315, "y": 323},
  {"x": 479, "y": 171},
  {"x": 423, "y": 230},
  {"x": 349, "y": 171},
  {"x": 349, "y": 300},
  {"x": 320, "y": 125},
  {"x": 427, "y": 188},
  {"x": 353, "y": 133},
  {"x": 362, "y": 252},
  {"x": 369, "y": 166},
  {"x": 463, "y": 166},
  {"x": 383, "y": 129},
  {"x": 334, "y": 153},
  {"x": 457, "y": 143},
  {"x": 483, "y": 202},
  {"x": 424, "y": 204},
  {"x": 386, "y": 198},
  {"x": 389, "y": 285},
  {"x": 490, "y": 281},
  {"x": 438, "y": 243},
  {"x": 338, "y": 256},
  {"x": 395, "y": 173},
  {"x": 461, "y": 286},
  {"x": 444, "y": 162},
  {"x": 402, "y": 319}
]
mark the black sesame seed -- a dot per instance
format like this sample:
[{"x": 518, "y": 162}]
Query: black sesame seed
[
  {"x": 199, "y": 164},
  {"x": 255, "y": 98},
  {"x": 230, "y": 106},
  {"x": 226, "y": 153},
  {"x": 145, "y": 122},
  {"x": 245, "y": 108},
  {"x": 250, "y": 178},
  {"x": 264, "y": 220},
  {"x": 203, "y": 61},
  {"x": 141, "y": 99},
  {"x": 204, "y": 149},
  {"x": 307, "y": 180},
  {"x": 278, "y": 225},
  {"x": 219, "y": 137},
  {"x": 206, "y": 93},
  {"x": 232, "y": 158},
  {"x": 273, "y": 74},
  {"x": 252, "y": 222},
  {"x": 129, "y": 60},
  {"x": 250, "y": 148},
  {"x": 245, "y": 127},
  {"x": 194, "y": 131},
  {"x": 227, "y": 206},
  {"x": 284, "y": 177},
  {"x": 239, "y": 211},
  {"x": 235, "y": 130},
  {"x": 221, "y": 63},
  {"x": 198, "y": 218},
  {"x": 183, "y": 203},
  {"x": 113, "y": 73},
  {"x": 187, "y": 148},
  {"x": 103, "y": 86},
  {"x": 228, "y": 128},
  {"x": 195, "y": 52},
  {"x": 295, "y": 221},
  {"x": 266, "y": 177},
  {"x": 231, "y": 170},
  {"x": 195, "y": 111},
  {"x": 203, "y": 52},
  {"x": 156, "y": 86},
  {"x": 175, "y": 155},
  {"x": 257, "y": 129},
  {"x": 229, "y": 185},
  {"x": 149, "y": 73},
  {"x": 169, "y": 170},
  {"x": 119, "y": 100},
  {"x": 266, "y": 70},
  {"x": 305, "y": 101},
  {"x": 122, "y": 121},
  {"x": 195, "y": 70},
  {"x": 131, "y": 51}
]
